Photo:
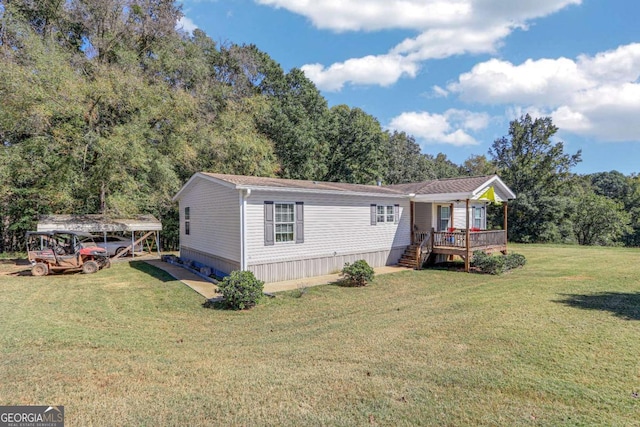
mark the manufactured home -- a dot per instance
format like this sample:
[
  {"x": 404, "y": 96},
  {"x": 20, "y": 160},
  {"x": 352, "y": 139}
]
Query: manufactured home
[{"x": 283, "y": 229}]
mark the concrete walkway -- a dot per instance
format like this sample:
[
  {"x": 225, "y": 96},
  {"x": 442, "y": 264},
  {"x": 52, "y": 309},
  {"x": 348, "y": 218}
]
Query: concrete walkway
[
  {"x": 209, "y": 290},
  {"x": 195, "y": 282},
  {"x": 307, "y": 282}
]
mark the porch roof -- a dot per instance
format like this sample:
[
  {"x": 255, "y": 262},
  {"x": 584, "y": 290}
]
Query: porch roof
[{"x": 446, "y": 190}]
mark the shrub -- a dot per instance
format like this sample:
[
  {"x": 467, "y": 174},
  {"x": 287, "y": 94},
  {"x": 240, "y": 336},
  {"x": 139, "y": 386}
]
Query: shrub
[
  {"x": 487, "y": 263},
  {"x": 358, "y": 273},
  {"x": 514, "y": 260},
  {"x": 497, "y": 264},
  {"x": 241, "y": 290}
]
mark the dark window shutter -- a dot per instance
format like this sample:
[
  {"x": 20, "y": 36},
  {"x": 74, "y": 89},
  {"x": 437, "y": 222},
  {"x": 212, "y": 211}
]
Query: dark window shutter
[
  {"x": 374, "y": 212},
  {"x": 299, "y": 222},
  {"x": 439, "y": 225},
  {"x": 396, "y": 214},
  {"x": 268, "y": 224}
]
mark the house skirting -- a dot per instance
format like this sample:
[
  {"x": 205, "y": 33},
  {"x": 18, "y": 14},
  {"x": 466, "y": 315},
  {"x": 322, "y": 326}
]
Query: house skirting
[
  {"x": 222, "y": 264},
  {"x": 276, "y": 271}
]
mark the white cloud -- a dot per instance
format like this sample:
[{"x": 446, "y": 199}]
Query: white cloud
[
  {"x": 445, "y": 28},
  {"x": 186, "y": 24},
  {"x": 597, "y": 96},
  {"x": 382, "y": 70},
  {"x": 449, "y": 128},
  {"x": 440, "y": 92}
]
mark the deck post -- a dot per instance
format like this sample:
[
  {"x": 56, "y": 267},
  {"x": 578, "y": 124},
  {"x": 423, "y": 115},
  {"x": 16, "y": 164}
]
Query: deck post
[
  {"x": 467, "y": 260},
  {"x": 451, "y": 206},
  {"x": 506, "y": 238}
]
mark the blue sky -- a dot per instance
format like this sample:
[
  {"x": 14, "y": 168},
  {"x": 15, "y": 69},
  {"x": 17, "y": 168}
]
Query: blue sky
[{"x": 453, "y": 73}]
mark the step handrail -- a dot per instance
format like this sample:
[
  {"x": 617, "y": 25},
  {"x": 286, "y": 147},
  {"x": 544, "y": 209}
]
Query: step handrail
[{"x": 419, "y": 252}]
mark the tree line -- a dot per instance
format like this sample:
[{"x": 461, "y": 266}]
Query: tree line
[{"x": 108, "y": 108}]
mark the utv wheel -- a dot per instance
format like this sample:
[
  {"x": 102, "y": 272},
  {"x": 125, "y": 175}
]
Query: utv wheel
[
  {"x": 40, "y": 269},
  {"x": 90, "y": 267}
]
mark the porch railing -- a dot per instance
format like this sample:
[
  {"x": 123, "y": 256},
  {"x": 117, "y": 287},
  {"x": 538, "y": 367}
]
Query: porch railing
[
  {"x": 420, "y": 236},
  {"x": 477, "y": 239}
]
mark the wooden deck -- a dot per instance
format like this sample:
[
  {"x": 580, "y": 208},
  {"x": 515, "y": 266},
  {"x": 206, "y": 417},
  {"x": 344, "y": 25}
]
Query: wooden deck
[{"x": 454, "y": 243}]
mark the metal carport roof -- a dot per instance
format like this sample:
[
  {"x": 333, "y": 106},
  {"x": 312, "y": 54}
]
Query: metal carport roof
[{"x": 98, "y": 223}]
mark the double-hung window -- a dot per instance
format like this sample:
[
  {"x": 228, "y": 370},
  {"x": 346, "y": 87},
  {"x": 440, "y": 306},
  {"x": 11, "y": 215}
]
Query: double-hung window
[
  {"x": 478, "y": 217},
  {"x": 381, "y": 216},
  {"x": 285, "y": 222},
  {"x": 384, "y": 213},
  {"x": 444, "y": 218},
  {"x": 390, "y": 214}
]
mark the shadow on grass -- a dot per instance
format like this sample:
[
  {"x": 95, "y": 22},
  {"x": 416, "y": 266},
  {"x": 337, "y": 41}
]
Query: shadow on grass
[
  {"x": 620, "y": 304},
  {"x": 152, "y": 271}
]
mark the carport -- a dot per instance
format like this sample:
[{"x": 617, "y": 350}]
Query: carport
[{"x": 143, "y": 228}]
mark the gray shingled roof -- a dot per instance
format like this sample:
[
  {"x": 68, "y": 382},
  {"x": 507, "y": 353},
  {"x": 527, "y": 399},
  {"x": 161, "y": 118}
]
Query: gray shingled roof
[
  {"x": 436, "y": 186},
  {"x": 251, "y": 181}
]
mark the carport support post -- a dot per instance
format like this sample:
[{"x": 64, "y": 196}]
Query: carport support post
[{"x": 133, "y": 246}]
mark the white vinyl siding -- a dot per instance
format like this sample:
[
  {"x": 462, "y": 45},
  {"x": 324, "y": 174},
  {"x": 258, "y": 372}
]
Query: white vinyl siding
[
  {"x": 214, "y": 220},
  {"x": 333, "y": 225},
  {"x": 423, "y": 216}
]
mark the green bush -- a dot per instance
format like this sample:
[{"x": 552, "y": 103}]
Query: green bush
[
  {"x": 497, "y": 264},
  {"x": 488, "y": 264},
  {"x": 357, "y": 274},
  {"x": 514, "y": 260},
  {"x": 241, "y": 290}
]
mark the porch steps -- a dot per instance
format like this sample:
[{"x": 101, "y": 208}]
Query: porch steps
[{"x": 408, "y": 258}]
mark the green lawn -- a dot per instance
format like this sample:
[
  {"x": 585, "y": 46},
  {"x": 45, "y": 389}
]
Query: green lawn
[{"x": 556, "y": 343}]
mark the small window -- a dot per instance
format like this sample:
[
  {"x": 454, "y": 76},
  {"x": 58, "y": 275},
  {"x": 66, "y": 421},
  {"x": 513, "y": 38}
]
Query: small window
[
  {"x": 385, "y": 214},
  {"x": 187, "y": 220},
  {"x": 445, "y": 216},
  {"x": 478, "y": 217},
  {"x": 285, "y": 222},
  {"x": 390, "y": 214},
  {"x": 380, "y": 216}
]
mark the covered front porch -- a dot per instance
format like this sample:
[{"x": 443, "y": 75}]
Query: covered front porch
[
  {"x": 463, "y": 243},
  {"x": 455, "y": 225}
]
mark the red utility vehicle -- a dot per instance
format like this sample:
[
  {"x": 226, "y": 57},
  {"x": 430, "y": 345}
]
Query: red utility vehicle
[{"x": 56, "y": 251}]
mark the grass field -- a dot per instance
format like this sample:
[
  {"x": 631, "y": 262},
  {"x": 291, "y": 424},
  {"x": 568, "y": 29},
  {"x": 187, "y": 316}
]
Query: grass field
[{"x": 556, "y": 343}]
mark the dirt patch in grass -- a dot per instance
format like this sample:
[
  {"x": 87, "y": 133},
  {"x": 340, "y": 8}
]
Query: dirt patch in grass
[{"x": 14, "y": 266}]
